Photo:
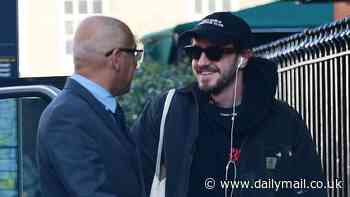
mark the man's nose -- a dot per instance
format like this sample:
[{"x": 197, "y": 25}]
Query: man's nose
[{"x": 203, "y": 60}]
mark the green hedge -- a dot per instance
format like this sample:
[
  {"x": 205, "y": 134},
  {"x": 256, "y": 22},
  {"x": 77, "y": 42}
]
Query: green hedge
[{"x": 150, "y": 81}]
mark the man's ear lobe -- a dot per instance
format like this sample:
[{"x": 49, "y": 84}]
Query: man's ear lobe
[
  {"x": 247, "y": 54},
  {"x": 244, "y": 58},
  {"x": 242, "y": 62}
]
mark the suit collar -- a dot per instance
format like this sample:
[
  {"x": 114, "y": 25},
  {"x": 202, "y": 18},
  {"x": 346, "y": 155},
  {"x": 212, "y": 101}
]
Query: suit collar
[
  {"x": 99, "y": 92},
  {"x": 97, "y": 106}
]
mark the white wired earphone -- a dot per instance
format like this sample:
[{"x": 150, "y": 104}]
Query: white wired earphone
[{"x": 231, "y": 161}]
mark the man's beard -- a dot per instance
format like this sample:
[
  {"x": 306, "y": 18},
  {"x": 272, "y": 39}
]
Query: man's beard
[{"x": 224, "y": 80}]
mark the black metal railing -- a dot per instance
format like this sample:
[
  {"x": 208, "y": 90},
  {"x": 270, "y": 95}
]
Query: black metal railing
[{"x": 314, "y": 79}]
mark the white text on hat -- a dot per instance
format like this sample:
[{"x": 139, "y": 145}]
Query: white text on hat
[{"x": 215, "y": 22}]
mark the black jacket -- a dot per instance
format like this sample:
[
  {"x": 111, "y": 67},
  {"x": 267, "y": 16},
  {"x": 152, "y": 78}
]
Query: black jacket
[
  {"x": 273, "y": 129},
  {"x": 82, "y": 151}
]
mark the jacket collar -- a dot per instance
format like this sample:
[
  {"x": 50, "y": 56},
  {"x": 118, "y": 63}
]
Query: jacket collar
[
  {"x": 99, "y": 92},
  {"x": 97, "y": 106}
]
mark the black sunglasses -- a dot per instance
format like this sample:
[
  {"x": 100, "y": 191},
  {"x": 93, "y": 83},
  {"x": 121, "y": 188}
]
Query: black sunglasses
[
  {"x": 213, "y": 53},
  {"x": 135, "y": 52}
]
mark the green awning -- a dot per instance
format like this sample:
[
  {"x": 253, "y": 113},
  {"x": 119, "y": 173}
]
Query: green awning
[
  {"x": 288, "y": 14},
  {"x": 158, "y": 46},
  {"x": 280, "y": 16}
]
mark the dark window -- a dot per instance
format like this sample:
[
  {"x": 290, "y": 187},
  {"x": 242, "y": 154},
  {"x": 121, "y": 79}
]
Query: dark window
[
  {"x": 83, "y": 7},
  {"x": 8, "y": 148},
  {"x": 97, "y": 7},
  {"x": 68, "y": 7}
]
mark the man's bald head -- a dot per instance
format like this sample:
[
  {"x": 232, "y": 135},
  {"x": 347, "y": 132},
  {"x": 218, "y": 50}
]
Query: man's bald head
[{"x": 95, "y": 36}]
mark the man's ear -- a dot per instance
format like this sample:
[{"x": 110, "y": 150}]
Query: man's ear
[
  {"x": 247, "y": 54},
  {"x": 244, "y": 57},
  {"x": 116, "y": 60},
  {"x": 241, "y": 62}
]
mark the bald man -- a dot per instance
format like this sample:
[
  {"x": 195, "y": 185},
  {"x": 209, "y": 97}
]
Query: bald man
[{"x": 84, "y": 147}]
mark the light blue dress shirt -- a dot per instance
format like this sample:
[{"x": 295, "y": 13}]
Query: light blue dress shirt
[{"x": 100, "y": 93}]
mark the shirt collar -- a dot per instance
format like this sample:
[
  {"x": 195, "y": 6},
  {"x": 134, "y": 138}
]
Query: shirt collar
[{"x": 100, "y": 93}]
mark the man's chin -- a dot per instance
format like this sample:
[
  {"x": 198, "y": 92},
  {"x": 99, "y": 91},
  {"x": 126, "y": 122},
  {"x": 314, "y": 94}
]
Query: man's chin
[
  {"x": 211, "y": 89},
  {"x": 205, "y": 87},
  {"x": 127, "y": 90},
  {"x": 124, "y": 91}
]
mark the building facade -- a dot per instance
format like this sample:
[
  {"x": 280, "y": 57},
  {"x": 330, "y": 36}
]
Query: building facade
[{"x": 46, "y": 28}]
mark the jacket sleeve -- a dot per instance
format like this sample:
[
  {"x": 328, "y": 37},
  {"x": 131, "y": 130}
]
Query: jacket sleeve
[
  {"x": 306, "y": 164},
  {"x": 73, "y": 154},
  {"x": 146, "y": 132}
]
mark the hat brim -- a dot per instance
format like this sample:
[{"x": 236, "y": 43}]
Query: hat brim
[{"x": 213, "y": 35}]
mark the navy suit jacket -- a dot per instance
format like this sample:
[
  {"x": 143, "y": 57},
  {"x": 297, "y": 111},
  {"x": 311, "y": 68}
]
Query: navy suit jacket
[{"x": 82, "y": 152}]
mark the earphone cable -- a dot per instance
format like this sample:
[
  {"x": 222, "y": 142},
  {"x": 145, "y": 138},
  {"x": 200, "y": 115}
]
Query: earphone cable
[{"x": 231, "y": 161}]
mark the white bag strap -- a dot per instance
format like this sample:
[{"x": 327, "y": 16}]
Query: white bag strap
[{"x": 162, "y": 124}]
